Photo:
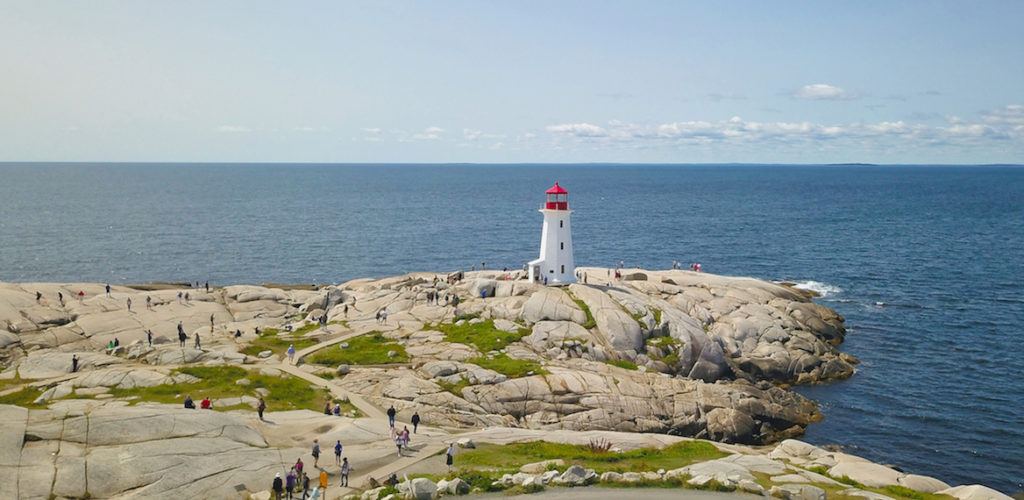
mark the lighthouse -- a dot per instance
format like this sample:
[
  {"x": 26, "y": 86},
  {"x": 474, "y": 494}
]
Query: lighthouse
[{"x": 555, "y": 265}]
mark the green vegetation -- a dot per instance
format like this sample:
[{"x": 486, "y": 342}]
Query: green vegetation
[
  {"x": 664, "y": 342},
  {"x": 511, "y": 368},
  {"x": 272, "y": 340},
  {"x": 657, "y": 316},
  {"x": 512, "y": 456},
  {"x": 455, "y": 388},
  {"x": 668, "y": 344},
  {"x": 894, "y": 491},
  {"x": 622, "y": 363},
  {"x": 590, "y": 323},
  {"x": 24, "y": 397},
  {"x": 369, "y": 349},
  {"x": 218, "y": 382},
  {"x": 11, "y": 382},
  {"x": 483, "y": 335}
]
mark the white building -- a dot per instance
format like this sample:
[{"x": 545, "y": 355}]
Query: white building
[{"x": 555, "y": 265}]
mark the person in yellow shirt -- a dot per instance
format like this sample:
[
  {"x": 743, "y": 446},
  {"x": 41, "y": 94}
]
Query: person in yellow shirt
[{"x": 323, "y": 484}]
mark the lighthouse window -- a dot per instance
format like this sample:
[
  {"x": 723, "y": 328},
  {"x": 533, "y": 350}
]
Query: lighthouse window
[
  {"x": 562, "y": 245},
  {"x": 561, "y": 223},
  {"x": 563, "y": 269}
]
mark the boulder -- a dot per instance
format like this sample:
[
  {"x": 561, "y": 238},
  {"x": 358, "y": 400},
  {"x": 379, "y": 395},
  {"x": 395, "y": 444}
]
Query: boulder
[
  {"x": 551, "y": 304},
  {"x": 466, "y": 443},
  {"x": 456, "y": 487},
  {"x": 542, "y": 466},
  {"x": 343, "y": 369},
  {"x": 573, "y": 476},
  {"x": 797, "y": 492},
  {"x": 974, "y": 492},
  {"x": 867, "y": 473},
  {"x": 730, "y": 425},
  {"x": 725, "y": 472},
  {"x": 422, "y": 488},
  {"x": 922, "y": 483}
]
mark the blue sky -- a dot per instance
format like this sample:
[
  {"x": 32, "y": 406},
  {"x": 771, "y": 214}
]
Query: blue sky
[{"x": 524, "y": 81}]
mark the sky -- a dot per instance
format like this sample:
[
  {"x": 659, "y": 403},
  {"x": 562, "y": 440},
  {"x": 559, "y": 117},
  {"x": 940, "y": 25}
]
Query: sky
[{"x": 518, "y": 81}]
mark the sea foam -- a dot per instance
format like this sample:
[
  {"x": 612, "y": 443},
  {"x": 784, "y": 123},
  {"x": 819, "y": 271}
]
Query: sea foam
[{"x": 822, "y": 289}]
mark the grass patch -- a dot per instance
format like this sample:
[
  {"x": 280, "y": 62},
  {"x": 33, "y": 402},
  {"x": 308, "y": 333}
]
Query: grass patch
[
  {"x": 455, "y": 388},
  {"x": 272, "y": 340},
  {"x": 514, "y": 455},
  {"x": 590, "y": 323},
  {"x": 11, "y": 382},
  {"x": 218, "y": 382},
  {"x": 902, "y": 492},
  {"x": 369, "y": 349},
  {"x": 483, "y": 335},
  {"x": 511, "y": 368},
  {"x": 622, "y": 363},
  {"x": 24, "y": 398},
  {"x": 663, "y": 342},
  {"x": 657, "y": 315}
]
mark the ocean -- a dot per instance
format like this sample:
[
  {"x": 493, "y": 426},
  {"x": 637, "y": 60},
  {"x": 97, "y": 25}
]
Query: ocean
[{"x": 925, "y": 262}]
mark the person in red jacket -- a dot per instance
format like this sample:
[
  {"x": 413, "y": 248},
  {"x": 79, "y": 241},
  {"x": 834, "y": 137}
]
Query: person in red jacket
[{"x": 206, "y": 404}]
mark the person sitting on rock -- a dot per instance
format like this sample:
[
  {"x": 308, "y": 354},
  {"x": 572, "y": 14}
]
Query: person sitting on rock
[
  {"x": 191, "y": 405},
  {"x": 337, "y": 410},
  {"x": 327, "y": 408},
  {"x": 206, "y": 404}
]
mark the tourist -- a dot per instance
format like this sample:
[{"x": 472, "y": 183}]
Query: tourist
[
  {"x": 107, "y": 286},
  {"x": 305, "y": 485},
  {"x": 298, "y": 465},
  {"x": 74, "y": 363},
  {"x": 149, "y": 337},
  {"x": 378, "y": 317},
  {"x": 60, "y": 298},
  {"x": 129, "y": 302},
  {"x": 189, "y": 403},
  {"x": 206, "y": 404},
  {"x": 345, "y": 310},
  {"x": 398, "y": 442},
  {"x": 337, "y": 452},
  {"x": 39, "y": 296},
  {"x": 391, "y": 416},
  {"x": 404, "y": 436},
  {"x": 238, "y": 333},
  {"x": 323, "y": 483},
  {"x": 327, "y": 408},
  {"x": 291, "y": 353},
  {"x": 81, "y": 296},
  {"x": 337, "y": 409},
  {"x": 186, "y": 298},
  {"x": 207, "y": 286},
  {"x": 261, "y": 407},
  {"x": 149, "y": 302},
  {"x": 181, "y": 339},
  {"x": 316, "y": 452},
  {"x": 345, "y": 469},
  {"x": 179, "y": 297},
  {"x": 449, "y": 456},
  {"x": 198, "y": 346},
  {"x": 278, "y": 486},
  {"x": 289, "y": 483},
  {"x": 211, "y": 323},
  {"x": 415, "y": 421},
  {"x": 117, "y": 343}
]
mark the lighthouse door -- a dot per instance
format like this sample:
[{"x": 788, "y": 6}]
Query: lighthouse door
[{"x": 536, "y": 274}]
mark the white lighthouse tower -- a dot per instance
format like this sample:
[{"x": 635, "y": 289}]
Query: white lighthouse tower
[{"x": 555, "y": 265}]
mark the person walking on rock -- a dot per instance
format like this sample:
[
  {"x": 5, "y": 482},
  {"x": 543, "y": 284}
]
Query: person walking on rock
[
  {"x": 289, "y": 483},
  {"x": 323, "y": 484},
  {"x": 149, "y": 302},
  {"x": 211, "y": 323},
  {"x": 415, "y": 422},
  {"x": 39, "y": 296},
  {"x": 107, "y": 287},
  {"x": 391, "y": 416},
  {"x": 305, "y": 485},
  {"x": 129, "y": 302},
  {"x": 74, "y": 363},
  {"x": 261, "y": 407},
  {"x": 179, "y": 297},
  {"x": 449, "y": 456},
  {"x": 207, "y": 287},
  {"x": 198, "y": 345},
  {"x": 345, "y": 469},
  {"x": 291, "y": 353},
  {"x": 149, "y": 337},
  {"x": 337, "y": 452},
  {"x": 299, "y": 465},
  {"x": 278, "y": 486},
  {"x": 316, "y": 452}
]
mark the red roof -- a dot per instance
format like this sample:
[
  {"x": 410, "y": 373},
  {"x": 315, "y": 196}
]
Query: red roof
[{"x": 556, "y": 189}]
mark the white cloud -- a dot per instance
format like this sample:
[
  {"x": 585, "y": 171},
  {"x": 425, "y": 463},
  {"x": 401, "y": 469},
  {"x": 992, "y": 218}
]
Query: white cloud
[
  {"x": 471, "y": 135},
  {"x": 373, "y": 130},
  {"x": 233, "y": 129},
  {"x": 429, "y": 134},
  {"x": 578, "y": 130},
  {"x": 822, "y": 92},
  {"x": 1003, "y": 124}
]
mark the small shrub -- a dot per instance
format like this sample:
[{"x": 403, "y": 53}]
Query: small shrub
[
  {"x": 599, "y": 445},
  {"x": 623, "y": 363}
]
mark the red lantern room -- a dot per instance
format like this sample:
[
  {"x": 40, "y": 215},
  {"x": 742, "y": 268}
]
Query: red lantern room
[{"x": 558, "y": 198}]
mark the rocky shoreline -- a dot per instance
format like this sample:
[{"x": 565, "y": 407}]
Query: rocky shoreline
[{"x": 670, "y": 352}]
